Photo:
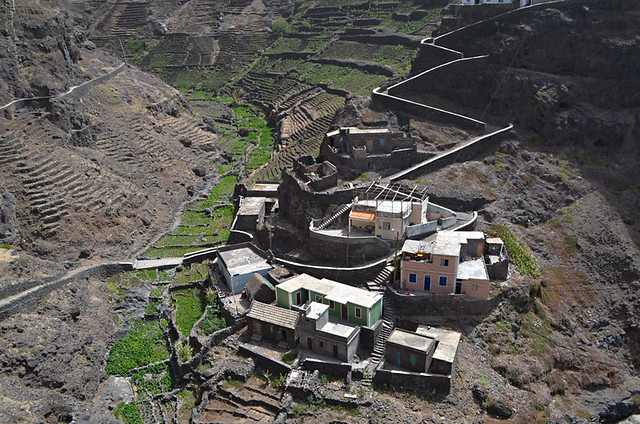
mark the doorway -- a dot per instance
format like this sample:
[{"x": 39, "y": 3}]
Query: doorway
[{"x": 345, "y": 312}]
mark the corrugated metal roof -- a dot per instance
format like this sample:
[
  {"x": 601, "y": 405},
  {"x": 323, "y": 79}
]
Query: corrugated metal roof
[
  {"x": 272, "y": 314},
  {"x": 367, "y": 216}
]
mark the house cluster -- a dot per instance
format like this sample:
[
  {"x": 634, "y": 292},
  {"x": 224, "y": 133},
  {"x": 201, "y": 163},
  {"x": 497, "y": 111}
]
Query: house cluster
[{"x": 325, "y": 318}]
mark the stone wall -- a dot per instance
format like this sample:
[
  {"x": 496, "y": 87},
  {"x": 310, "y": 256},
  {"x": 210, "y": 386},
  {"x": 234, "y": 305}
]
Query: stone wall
[
  {"x": 335, "y": 248},
  {"x": 336, "y": 369},
  {"x": 460, "y": 154},
  {"x": 263, "y": 361},
  {"x": 419, "y": 382},
  {"x": 353, "y": 276},
  {"x": 30, "y": 298},
  {"x": 431, "y": 55},
  {"x": 440, "y": 306}
]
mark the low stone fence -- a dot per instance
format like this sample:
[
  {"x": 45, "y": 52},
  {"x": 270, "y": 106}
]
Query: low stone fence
[
  {"x": 275, "y": 366},
  {"x": 374, "y": 68},
  {"x": 419, "y": 382},
  {"x": 335, "y": 248},
  {"x": 29, "y": 298}
]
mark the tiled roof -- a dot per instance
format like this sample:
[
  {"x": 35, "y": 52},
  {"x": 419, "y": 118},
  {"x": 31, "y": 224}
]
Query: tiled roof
[{"x": 272, "y": 314}]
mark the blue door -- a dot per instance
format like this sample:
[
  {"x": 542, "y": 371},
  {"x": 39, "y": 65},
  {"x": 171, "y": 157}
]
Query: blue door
[
  {"x": 397, "y": 359},
  {"x": 427, "y": 282}
]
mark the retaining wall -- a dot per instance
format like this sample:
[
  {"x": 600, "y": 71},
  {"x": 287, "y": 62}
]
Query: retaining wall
[
  {"x": 426, "y": 111},
  {"x": 334, "y": 248},
  {"x": 459, "y": 154},
  {"x": 337, "y": 369},
  {"x": 352, "y": 276},
  {"x": 432, "y": 55},
  {"x": 440, "y": 306},
  {"x": 275, "y": 366},
  {"x": 413, "y": 381}
]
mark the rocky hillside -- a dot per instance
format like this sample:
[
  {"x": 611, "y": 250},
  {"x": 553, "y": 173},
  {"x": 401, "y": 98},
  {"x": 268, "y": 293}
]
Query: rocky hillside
[{"x": 97, "y": 173}]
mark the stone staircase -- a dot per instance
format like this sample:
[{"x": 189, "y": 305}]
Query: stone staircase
[
  {"x": 333, "y": 217},
  {"x": 381, "y": 280},
  {"x": 388, "y": 324}
]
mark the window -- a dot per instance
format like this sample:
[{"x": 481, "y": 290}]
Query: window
[
  {"x": 332, "y": 305},
  {"x": 318, "y": 299},
  {"x": 444, "y": 262},
  {"x": 386, "y": 226},
  {"x": 474, "y": 287},
  {"x": 358, "y": 313},
  {"x": 413, "y": 360},
  {"x": 413, "y": 277},
  {"x": 443, "y": 281}
]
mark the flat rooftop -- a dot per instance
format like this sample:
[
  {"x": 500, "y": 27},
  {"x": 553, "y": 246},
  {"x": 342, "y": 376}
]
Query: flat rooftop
[
  {"x": 265, "y": 187},
  {"x": 448, "y": 342},
  {"x": 474, "y": 269},
  {"x": 341, "y": 330},
  {"x": 243, "y": 260},
  {"x": 251, "y": 205},
  {"x": 332, "y": 290},
  {"x": 411, "y": 340}
]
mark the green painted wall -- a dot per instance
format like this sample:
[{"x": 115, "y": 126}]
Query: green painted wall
[
  {"x": 282, "y": 298},
  {"x": 335, "y": 312},
  {"x": 312, "y": 295},
  {"x": 376, "y": 312},
  {"x": 352, "y": 315},
  {"x": 304, "y": 296}
]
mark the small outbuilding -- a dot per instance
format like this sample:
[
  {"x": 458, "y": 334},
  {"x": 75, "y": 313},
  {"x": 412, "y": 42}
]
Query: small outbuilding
[
  {"x": 445, "y": 357},
  {"x": 260, "y": 289},
  {"x": 273, "y": 323},
  {"x": 410, "y": 351},
  {"x": 319, "y": 334}
]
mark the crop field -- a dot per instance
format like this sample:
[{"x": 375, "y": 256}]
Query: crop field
[
  {"x": 349, "y": 79},
  {"x": 398, "y": 57}
]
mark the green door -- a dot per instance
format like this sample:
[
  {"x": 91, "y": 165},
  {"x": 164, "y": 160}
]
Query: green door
[{"x": 397, "y": 358}]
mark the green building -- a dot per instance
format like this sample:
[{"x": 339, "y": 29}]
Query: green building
[{"x": 357, "y": 306}]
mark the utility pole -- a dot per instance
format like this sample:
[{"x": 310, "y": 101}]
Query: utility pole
[{"x": 395, "y": 260}]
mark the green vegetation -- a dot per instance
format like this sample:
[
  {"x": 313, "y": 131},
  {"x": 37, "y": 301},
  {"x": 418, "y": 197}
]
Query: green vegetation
[
  {"x": 185, "y": 351},
  {"x": 138, "y": 349},
  {"x": 5, "y": 246},
  {"x": 154, "y": 380},
  {"x": 349, "y": 79},
  {"x": 482, "y": 378},
  {"x": 290, "y": 356},
  {"x": 518, "y": 251},
  {"x": 190, "y": 307},
  {"x": 212, "y": 322},
  {"x": 128, "y": 412},
  {"x": 231, "y": 383},
  {"x": 280, "y": 27}
]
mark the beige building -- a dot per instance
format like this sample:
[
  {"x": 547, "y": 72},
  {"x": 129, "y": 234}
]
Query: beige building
[{"x": 452, "y": 263}]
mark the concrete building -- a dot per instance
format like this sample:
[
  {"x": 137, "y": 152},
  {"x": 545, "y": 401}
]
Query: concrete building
[
  {"x": 250, "y": 213},
  {"x": 273, "y": 323},
  {"x": 393, "y": 211},
  {"x": 445, "y": 356},
  {"x": 238, "y": 262},
  {"x": 453, "y": 263},
  {"x": 409, "y": 350},
  {"x": 351, "y": 304},
  {"x": 320, "y": 335}
]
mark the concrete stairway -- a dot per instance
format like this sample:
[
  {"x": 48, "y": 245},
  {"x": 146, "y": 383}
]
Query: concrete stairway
[
  {"x": 333, "y": 217},
  {"x": 388, "y": 324}
]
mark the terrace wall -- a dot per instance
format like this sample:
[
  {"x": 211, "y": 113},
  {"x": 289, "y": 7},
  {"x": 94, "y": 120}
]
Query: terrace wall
[{"x": 420, "y": 382}]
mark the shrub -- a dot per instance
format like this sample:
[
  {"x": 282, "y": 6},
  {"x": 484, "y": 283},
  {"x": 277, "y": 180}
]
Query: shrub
[
  {"x": 518, "y": 251},
  {"x": 138, "y": 349},
  {"x": 128, "y": 412},
  {"x": 280, "y": 26},
  {"x": 185, "y": 351}
]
